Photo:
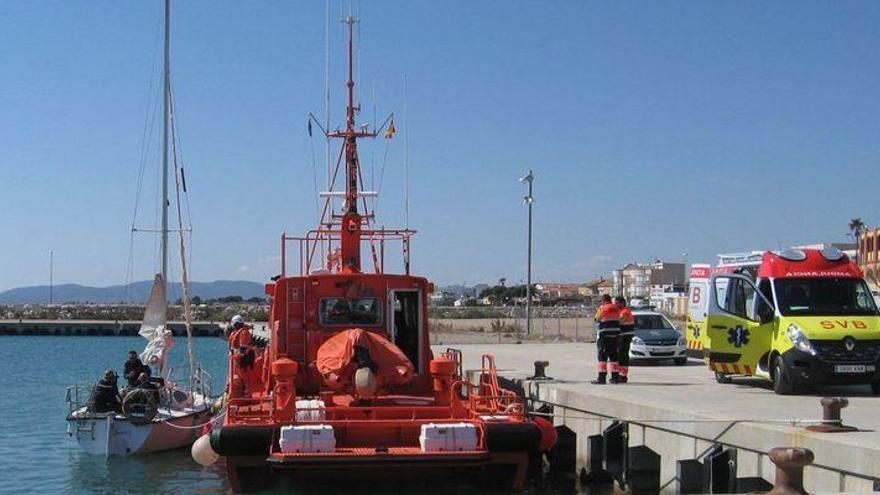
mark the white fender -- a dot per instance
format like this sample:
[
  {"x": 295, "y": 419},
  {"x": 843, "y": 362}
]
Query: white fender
[{"x": 202, "y": 452}]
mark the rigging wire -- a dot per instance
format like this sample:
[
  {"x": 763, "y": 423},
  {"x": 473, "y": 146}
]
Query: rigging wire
[
  {"x": 143, "y": 156},
  {"x": 381, "y": 177},
  {"x": 186, "y": 297},
  {"x": 187, "y": 210},
  {"x": 314, "y": 174}
]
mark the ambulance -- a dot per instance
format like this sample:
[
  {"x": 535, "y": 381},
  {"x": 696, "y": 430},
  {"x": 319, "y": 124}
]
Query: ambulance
[
  {"x": 698, "y": 300},
  {"x": 806, "y": 317}
]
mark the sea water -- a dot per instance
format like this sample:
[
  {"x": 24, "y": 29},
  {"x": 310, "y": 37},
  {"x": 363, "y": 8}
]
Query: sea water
[
  {"x": 36, "y": 453},
  {"x": 38, "y": 456}
]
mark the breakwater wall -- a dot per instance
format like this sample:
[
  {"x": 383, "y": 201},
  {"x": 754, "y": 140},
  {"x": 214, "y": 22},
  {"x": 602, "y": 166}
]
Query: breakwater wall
[{"x": 74, "y": 328}]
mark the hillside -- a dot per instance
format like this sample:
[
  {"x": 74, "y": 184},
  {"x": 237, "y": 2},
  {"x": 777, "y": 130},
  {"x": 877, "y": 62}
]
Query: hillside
[{"x": 132, "y": 293}]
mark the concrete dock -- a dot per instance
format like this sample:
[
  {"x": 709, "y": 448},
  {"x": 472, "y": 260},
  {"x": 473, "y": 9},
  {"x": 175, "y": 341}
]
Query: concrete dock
[{"x": 680, "y": 412}]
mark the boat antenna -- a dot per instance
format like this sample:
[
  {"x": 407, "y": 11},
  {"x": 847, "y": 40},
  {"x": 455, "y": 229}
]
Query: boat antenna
[
  {"x": 327, "y": 116},
  {"x": 405, "y": 157}
]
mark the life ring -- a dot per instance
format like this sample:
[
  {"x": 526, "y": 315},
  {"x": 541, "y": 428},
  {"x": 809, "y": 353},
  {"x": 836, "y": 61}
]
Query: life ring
[{"x": 140, "y": 404}]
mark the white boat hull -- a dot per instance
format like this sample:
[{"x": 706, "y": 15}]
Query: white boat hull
[{"x": 113, "y": 435}]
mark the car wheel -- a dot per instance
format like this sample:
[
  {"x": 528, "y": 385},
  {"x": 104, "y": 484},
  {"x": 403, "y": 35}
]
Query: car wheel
[
  {"x": 781, "y": 382},
  {"x": 722, "y": 378},
  {"x": 681, "y": 361},
  {"x": 875, "y": 388}
]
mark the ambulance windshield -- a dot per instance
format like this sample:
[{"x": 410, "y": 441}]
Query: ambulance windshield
[{"x": 824, "y": 297}]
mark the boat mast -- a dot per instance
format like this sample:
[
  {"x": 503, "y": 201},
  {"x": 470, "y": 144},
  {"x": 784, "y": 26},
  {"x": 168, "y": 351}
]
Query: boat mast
[
  {"x": 351, "y": 219},
  {"x": 166, "y": 90}
]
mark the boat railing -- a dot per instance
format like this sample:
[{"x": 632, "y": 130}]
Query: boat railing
[
  {"x": 455, "y": 355},
  {"x": 74, "y": 397},
  {"x": 326, "y": 240},
  {"x": 201, "y": 382}
]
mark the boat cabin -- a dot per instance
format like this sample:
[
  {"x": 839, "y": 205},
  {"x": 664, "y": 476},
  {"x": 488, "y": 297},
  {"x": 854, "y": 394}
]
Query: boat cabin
[{"x": 308, "y": 310}]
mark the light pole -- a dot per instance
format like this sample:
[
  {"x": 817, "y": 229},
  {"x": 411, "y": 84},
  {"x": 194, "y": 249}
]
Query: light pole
[
  {"x": 51, "y": 276},
  {"x": 686, "y": 276},
  {"x": 529, "y": 200}
]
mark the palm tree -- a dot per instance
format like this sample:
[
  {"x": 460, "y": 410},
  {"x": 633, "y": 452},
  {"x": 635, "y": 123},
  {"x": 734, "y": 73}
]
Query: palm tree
[{"x": 856, "y": 227}]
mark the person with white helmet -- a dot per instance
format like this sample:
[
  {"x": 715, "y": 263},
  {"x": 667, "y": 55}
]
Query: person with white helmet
[{"x": 239, "y": 332}]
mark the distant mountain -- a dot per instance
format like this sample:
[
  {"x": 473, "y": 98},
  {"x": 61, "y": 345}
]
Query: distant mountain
[{"x": 136, "y": 292}]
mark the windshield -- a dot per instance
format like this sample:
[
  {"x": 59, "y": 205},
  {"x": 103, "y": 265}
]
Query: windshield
[
  {"x": 652, "y": 322},
  {"x": 824, "y": 297},
  {"x": 341, "y": 311}
]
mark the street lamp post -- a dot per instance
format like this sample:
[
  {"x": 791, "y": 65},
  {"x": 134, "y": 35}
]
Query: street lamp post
[
  {"x": 686, "y": 273},
  {"x": 529, "y": 178}
]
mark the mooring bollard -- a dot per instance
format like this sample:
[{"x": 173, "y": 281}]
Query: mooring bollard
[
  {"x": 790, "y": 462},
  {"x": 541, "y": 371},
  {"x": 831, "y": 407}
]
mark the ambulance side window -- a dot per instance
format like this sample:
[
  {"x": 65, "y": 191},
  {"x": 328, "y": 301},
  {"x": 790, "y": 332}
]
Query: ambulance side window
[
  {"x": 764, "y": 311},
  {"x": 737, "y": 298}
]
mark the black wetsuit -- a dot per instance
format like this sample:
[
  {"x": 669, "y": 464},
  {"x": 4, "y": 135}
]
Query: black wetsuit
[
  {"x": 152, "y": 389},
  {"x": 105, "y": 397},
  {"x": 133, "y": 370}
]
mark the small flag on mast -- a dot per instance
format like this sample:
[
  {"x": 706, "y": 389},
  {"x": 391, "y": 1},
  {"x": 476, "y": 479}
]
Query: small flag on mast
[
  {"x": 391, "y": 130},
  {"x": 310, "y": 128}
]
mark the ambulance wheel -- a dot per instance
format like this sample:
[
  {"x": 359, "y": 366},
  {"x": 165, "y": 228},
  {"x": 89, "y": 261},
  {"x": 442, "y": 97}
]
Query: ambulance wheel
[
  {"x": 875, "y": 387},
  {"x": 681, "y": 361},
  {"x": 722, "y": 378},
  {"x": 781, "y": 382}
]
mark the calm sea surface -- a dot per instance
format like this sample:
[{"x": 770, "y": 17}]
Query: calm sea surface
[{"x": 37, "y": 455}]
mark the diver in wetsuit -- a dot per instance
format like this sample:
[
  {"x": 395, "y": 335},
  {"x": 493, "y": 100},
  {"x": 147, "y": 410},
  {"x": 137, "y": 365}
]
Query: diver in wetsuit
[
  {"x": 144, "y": 383},
  {"x": 105, "y": 395},
  {"x": 133, "y": 369}
]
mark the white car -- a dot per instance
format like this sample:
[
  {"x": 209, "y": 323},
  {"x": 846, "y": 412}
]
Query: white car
[{"x": 656, "y": 338}]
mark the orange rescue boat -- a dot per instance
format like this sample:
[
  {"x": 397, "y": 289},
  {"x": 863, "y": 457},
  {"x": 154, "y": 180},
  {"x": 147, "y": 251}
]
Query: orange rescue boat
[{"x": 348, "y": 384}]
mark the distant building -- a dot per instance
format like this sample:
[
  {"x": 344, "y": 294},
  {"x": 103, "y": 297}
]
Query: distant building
[
  {"x": 869, "y": 256},
  {"x": 595, "y": 289},
  {"x": 550, "y": 290},
  {"x": 640, "y": 280}
]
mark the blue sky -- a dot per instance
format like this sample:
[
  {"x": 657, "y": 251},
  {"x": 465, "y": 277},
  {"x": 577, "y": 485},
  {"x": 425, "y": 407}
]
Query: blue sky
[{"x": 654, "y": 129}]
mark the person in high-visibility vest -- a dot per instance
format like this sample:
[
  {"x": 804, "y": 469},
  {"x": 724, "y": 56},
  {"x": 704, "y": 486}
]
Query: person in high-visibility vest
[
  {"x": 627, "y": 326},
  {"x": 608, "y": 316}
]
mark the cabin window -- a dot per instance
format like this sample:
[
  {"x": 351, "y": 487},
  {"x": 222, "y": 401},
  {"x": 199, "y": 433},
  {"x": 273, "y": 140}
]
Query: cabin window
[{"x": 338, "y": 311}]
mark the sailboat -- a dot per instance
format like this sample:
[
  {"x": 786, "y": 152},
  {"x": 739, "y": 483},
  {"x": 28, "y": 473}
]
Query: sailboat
[{"x": 168, "y": 415}]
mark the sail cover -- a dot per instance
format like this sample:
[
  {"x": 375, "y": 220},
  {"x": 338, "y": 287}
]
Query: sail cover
[{"x": 153, "y": 328}]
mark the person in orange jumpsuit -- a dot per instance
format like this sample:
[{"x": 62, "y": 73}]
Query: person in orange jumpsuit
[
  {"x": 241, "y": 342},
  {"x": 239, "y": 333},
  {"x": 608, "y": 317},
  {"x": 627, "y": 325}
]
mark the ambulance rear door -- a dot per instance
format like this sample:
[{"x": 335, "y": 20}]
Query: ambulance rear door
[
  {"x": 739, "y": 326},
  {"x": 698, "y": 303}
]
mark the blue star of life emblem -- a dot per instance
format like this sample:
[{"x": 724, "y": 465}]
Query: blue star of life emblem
[{"x": 738, "y": 336}]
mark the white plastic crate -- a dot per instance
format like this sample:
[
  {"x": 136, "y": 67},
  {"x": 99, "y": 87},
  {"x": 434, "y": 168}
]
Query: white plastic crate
[
  {"x": 310, "y": 410},
  {"x": 448, "y": 437},
  {"x": 307, "y": 438}
]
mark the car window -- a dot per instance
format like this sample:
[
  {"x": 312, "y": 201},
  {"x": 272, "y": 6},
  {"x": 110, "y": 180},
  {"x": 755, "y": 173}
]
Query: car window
[{"x": 652, "y": 322}]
